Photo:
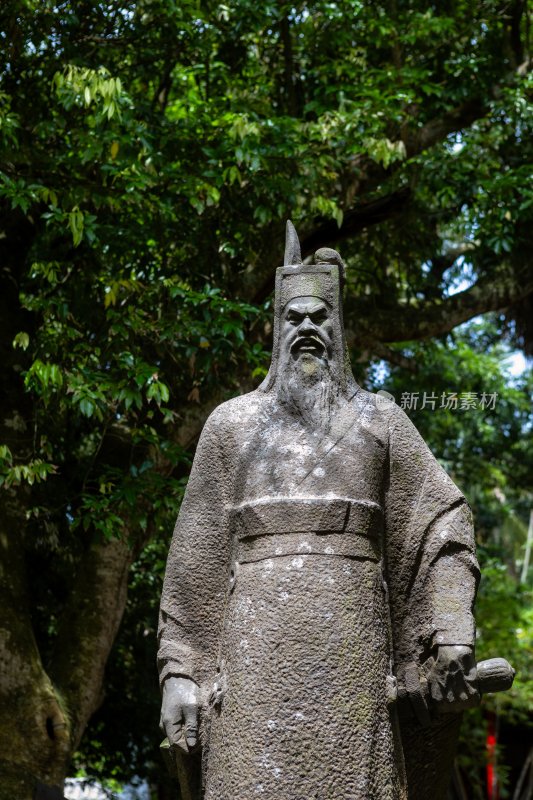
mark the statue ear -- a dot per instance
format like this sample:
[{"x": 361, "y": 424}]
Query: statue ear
[{"x": 293, "y": 252}]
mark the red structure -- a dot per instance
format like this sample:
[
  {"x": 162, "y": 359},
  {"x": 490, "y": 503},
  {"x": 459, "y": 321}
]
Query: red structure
[{"x": 492, "y": 776}]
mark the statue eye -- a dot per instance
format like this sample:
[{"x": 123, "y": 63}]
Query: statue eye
[{"x": 294, "y": 318}]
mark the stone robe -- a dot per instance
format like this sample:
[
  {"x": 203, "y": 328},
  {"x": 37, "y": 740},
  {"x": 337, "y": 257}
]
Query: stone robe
[{"x": 305, "y": 571}]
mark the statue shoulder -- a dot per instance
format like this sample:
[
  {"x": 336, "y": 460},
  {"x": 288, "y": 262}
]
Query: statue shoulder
[
  {"x": 383, "y": 407},
  {"x": 235, "y": 414},
  {"x": 378, "y": 412},
  {"x": 377, "y": 409}
]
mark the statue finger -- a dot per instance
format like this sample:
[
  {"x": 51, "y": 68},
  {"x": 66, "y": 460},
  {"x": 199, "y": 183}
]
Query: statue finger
[
  {"x": 456, "y": 688},
  {"x": 472, "y": 690},
  {"x": 173, "y": 731},
  {"x": 471, "y": 681},
  {"x": 190, "y": 715},
  {"x": 436, "y": 691},
  {"x": 451, "y": 695}
]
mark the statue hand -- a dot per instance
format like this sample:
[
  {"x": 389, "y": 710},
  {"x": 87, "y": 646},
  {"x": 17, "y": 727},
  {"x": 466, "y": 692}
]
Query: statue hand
[
  {"x": 453, "y": 678},
  {"x": 180, "y": 710}
]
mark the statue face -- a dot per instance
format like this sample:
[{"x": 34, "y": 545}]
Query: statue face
[{"x": 307, "y": 330}]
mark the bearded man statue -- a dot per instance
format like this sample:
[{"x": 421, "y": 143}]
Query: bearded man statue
[{"x": 322, "y": 567}]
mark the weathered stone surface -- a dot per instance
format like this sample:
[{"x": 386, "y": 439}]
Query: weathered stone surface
[{"x": 321, "y": 555}]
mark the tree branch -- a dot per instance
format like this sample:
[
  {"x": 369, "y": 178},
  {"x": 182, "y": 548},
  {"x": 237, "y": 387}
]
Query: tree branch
[
  {"x": 437, "y": 129},
  {"x": 518, "y": 8},
  {"x": 355, "y": 220},
  {"x": 117, "y": 41},
  {"x": 410, "y": 323},
  {"x": 363, "y": 175},
  {"x": 363, "y": 179},
  {"x": 288, "y": 78},
  {"x": 329, "y": 233},
  {"x": 371, "y": 347},
  {"x": 441, "y": 263}
]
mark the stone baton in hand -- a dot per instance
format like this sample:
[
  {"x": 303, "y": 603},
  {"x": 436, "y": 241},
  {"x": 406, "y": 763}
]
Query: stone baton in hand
[{"x": 492, "y": 675}]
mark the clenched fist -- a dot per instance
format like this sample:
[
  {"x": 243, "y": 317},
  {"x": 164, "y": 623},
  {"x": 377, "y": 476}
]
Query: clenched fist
[
  {"x": 452, "y": 678},
  {"x": 179, "y": 711}
]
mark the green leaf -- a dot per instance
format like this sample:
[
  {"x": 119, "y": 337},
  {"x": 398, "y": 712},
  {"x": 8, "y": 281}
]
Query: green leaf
[
  {"x": 76, "y": 225},
  {"x": 22, "y": 340},
  {"x": 86, "y": 407}
]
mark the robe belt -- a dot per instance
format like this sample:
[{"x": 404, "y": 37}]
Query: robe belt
[{"x": 273, "y": 527}]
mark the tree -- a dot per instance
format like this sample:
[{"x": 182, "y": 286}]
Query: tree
[
  {"x": 150, "y": 154},
  {"x": 477, "y": 418}
]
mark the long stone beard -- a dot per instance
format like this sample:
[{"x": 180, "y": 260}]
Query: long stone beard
[{"x": 309, "y": 392}]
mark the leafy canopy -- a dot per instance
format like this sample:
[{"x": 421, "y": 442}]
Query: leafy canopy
[{"x": 150, "y": 154}]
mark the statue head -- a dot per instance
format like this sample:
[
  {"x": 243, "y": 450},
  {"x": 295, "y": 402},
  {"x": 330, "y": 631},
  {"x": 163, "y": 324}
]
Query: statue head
[
  {"x": 309, "y": 342},
  {"x": 306, "y": 332}
]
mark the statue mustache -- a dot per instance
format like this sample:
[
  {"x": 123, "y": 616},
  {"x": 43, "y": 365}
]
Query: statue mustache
[{"x": 303, "y": 338}]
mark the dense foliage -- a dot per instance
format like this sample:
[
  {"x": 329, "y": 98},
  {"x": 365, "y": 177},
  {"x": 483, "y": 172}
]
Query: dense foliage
[
  {"x": 478, "y": 418},
  {"x": 149, "y": 155}
]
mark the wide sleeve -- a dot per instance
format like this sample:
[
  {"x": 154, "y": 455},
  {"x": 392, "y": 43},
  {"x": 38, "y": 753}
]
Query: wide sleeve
[
  {"x": 196, "y": 578},
  {"x": 431, "y": 567}
]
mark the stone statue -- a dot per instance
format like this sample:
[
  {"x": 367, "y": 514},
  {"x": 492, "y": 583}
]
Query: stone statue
[{"x": 321, "y": 579}]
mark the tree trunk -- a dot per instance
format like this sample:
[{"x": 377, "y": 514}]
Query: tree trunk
[
  {"x": 34, "y": 728},
  {"x": 88, "y": 629},
  {"x": 44, "y": 709}
]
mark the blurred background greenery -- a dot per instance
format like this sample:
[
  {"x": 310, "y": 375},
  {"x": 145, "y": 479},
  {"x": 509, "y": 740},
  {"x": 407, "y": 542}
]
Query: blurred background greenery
[{"x": 151, "y": 152}]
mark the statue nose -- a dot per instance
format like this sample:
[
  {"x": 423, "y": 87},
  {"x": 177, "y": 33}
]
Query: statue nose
[{"x": 306, "y": 327}]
